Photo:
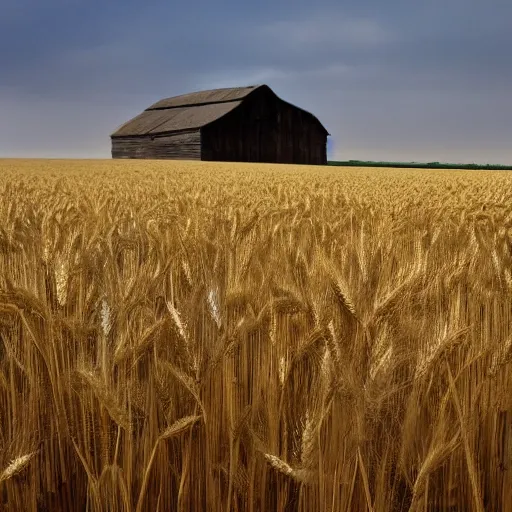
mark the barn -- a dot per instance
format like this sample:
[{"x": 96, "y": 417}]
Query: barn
[{"x": 240, "y": 124}]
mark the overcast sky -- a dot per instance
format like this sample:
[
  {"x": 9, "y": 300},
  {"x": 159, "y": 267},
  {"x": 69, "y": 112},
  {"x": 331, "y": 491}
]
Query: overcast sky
[{"x": 393, "y": 80}]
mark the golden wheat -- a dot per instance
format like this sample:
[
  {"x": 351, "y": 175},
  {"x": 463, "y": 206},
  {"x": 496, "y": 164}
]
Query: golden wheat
[{"x": 205, "y": 336}]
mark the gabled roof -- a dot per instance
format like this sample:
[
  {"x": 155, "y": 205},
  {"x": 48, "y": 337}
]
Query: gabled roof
[
  {"x": 186, "y": 112},
  {"x": 151, "y": 122},
  {"x": 205, "y": 97}
]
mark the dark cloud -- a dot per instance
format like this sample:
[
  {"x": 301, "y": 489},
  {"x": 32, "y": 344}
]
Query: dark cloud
[{"x": 391, "y": 78}]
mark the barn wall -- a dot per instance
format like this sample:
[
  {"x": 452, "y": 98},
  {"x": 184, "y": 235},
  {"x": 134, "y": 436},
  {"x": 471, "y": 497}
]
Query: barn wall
[
  {"x": 265, "y": 129},
  {"x": 177, "y": 146}
]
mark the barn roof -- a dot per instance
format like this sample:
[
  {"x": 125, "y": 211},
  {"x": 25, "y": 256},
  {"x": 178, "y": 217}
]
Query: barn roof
[
  {"x": 205, "y": 97},
  {"x": 185, "y": 112},
  {"x": 152, "y": 121}
]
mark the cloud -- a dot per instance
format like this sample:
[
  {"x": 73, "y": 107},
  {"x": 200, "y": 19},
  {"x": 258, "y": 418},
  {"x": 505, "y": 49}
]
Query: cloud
[
  {"x": 277, "y": 77},
  {"x": 327, "y": 30},
  {"x": 386, "y": 79}
]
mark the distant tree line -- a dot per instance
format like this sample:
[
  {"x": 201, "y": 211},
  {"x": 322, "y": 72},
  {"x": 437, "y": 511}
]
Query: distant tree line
[{"x": 419, "y": 165}]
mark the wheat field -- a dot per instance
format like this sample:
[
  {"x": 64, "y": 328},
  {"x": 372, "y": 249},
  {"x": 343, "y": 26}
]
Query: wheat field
[{"x": 181, "y": 336}]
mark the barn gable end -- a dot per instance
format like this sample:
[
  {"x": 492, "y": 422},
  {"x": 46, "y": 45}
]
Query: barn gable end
[{"x": 246, "y": 124}]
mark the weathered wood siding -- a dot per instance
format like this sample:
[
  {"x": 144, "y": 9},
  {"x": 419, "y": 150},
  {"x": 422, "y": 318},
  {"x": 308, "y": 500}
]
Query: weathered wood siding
[
  {"x": 176, "y": 146},
  {"x": 265, "y": 129}
]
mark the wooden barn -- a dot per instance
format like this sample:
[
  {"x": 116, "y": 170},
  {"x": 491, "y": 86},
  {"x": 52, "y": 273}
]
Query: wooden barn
[{"x": 241, "y": 124}]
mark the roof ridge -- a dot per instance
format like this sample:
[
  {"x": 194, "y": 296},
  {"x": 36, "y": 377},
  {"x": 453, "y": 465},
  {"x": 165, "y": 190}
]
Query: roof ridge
[
  {"x": 190, "y": 105},
  {"x": 215, "y": 89},
  {"x": 205, "y": 97}
]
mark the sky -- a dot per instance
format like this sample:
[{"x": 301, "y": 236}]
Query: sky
[{"x": 394, "y": 80}]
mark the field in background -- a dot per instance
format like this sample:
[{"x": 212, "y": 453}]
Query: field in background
[
  {"x": 182, "y": 336},
  {"x": 420, "y": 165}
]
